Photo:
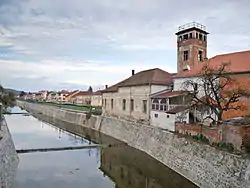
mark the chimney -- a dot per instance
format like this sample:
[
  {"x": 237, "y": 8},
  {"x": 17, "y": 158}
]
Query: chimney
[
  {"x": 106, "y": 86},
  {"x": 133, "y": 72}
]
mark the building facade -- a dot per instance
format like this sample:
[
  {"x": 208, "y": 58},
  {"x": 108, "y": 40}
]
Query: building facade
[
  {"x": 83, "y": 98},
  {"x": 96, "y": 99},
  {"x": 130, "y": 99}
]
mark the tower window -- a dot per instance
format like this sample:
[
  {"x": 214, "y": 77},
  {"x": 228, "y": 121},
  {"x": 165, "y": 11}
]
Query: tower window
[
  {"x": 200, "y": 58},
  {"x": 205, "y": 38},
  {"x": 185, "y": 36},
  {"x": 180, "y": 38},
  {"x": 200, "y": 36},
  {"x": 197, "y": 35},
  {"x": 190, "y": 35},
  {"x": 185, "y": 55}
]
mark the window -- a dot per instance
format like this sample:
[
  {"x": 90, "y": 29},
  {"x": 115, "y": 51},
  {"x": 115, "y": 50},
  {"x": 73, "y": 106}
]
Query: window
[
  {"x": 163, "y": 105},
  {"x": 190, "y": 35},
  {"x": 200, "y": 36},
  {"x": 144, "y": 102},
  {"x": 124, "y": 104},
  {"x": 180, "y": 38},
  {"x": 131, "y": 105},
  {"x": 105, "y": 102},
  {"x": 156, "y": 115},
  {"x": 112, "y": 104},
  {"x": 200, "y": 56},
  {"x": 197, "y": 35},
  {"x": 205, "y": 38},
  {"x": 185, "y": 55},
  {"x": 155, "y": 104},
  {"x": 185, "y": 37}
]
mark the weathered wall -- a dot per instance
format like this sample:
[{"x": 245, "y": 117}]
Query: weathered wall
[
  {"x": 136, "y": 93},
  {"x": 8, "y": 158},
  {"x": 204, "y": 165},
  {"x": 96, "y": 100},
  {"x": 163, "y": 120}
]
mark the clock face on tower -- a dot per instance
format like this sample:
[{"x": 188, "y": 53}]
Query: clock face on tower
[{"x": 191, "y": 46}]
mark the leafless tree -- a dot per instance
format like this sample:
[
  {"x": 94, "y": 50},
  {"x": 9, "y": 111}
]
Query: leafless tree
[{"x": 215, "y": 89}]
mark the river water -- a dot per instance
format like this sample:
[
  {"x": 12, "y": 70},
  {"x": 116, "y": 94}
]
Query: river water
[{"x": 113, "y": 167}]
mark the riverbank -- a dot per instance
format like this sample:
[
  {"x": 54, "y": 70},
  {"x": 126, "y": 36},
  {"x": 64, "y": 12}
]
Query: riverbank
[
  {"x": 8, "y": 157},
  {"x": 204, "y": 165}
]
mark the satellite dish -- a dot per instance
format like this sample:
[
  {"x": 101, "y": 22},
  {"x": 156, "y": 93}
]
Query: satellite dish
[{"x": 188, "y": 67}]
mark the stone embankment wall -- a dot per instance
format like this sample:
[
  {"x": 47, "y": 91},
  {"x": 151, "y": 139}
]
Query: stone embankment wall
[
  {"x": 202, "y": 164},
  {"x": 8, "y": 158}
]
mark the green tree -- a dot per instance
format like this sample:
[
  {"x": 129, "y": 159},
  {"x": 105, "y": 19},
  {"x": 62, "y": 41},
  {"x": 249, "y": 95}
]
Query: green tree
[
  {"x": 7, "y": 99},
  {"x": 22, "y": 93},
  {"x": 90, "y": 89}
]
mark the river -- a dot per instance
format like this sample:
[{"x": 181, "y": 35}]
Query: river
[{"x": 112, "y": 167}]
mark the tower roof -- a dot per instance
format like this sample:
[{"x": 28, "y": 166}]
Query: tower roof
[{"x": 191, "y": 26}]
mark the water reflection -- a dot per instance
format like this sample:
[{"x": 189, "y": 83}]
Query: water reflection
[
  {"x": 61, "y": 169},
  {"x": 131, "y": 168},
  {"x": 126, "y": 166},
  {"x": 29, "y": 132}
]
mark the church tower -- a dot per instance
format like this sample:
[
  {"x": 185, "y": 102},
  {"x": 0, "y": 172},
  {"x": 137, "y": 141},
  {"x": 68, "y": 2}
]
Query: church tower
[{"x": 191, "y": 46}]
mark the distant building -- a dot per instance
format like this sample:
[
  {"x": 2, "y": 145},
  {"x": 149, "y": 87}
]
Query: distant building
[
  {"x": 43, "y": 95},
  {"x": 83, "y": 98},
  {"x": 96, "y": 99},
  {"x": 61, "y": 95},
  {"x": 71, "y": 96},
  {"x": 130, "y": 98}
]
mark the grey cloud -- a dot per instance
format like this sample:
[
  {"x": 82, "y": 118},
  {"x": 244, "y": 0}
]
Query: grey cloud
[{"x": 128, "y": 29}]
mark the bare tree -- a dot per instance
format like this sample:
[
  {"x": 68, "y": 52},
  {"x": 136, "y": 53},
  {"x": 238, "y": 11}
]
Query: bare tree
[{"x": 215, "y": 89}]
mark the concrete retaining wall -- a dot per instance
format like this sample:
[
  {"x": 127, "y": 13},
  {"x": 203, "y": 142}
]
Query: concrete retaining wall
[
  {"x": 204, "y": 165},
  {"x": 8, "y": 158}
]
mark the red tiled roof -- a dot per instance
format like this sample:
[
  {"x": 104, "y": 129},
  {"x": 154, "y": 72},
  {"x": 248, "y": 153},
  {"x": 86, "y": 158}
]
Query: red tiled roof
[
  {"x": 239, "y": 63},
  {"x": 171, "y": 94},
  {"x": 152, "y": 76},
  {"x": 177, "y": 109},
  {"x": 84, "y": 93}
]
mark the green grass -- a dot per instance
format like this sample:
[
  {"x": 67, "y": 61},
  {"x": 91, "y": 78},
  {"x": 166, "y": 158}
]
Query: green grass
[{"x": 74, "y": 107}]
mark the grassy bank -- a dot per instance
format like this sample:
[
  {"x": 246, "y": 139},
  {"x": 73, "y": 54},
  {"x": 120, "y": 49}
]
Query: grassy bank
[{"x": 94, "y": 110}]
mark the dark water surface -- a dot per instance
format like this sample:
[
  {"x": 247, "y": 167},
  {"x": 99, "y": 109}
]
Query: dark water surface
[{"x": 114, "y": 167}]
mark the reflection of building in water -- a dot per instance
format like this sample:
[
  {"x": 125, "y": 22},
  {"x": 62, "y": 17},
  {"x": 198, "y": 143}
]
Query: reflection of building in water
[
  {"x": 126, "y": 166},
  {"x": 131, "y": 168}
]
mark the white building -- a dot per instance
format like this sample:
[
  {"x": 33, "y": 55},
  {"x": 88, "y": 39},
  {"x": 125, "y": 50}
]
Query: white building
[{"x": 130, "y": 98}]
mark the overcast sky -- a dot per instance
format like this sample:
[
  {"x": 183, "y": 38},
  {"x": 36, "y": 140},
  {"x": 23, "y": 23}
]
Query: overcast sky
[{"x": 72, "y": 44}]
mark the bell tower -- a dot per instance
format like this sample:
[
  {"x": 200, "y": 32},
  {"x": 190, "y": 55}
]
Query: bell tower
[{"x": 191, "y": 46}]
